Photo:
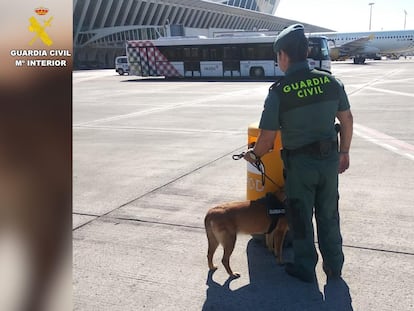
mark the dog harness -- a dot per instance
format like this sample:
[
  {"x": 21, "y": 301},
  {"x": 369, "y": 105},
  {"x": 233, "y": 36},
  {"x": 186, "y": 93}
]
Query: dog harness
[
  {"x": 275, "y": 214},
  {"x": 275, "y": 209}
]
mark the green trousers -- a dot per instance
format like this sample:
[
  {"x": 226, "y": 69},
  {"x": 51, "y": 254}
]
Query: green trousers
[{"x": 312, "y": 185}]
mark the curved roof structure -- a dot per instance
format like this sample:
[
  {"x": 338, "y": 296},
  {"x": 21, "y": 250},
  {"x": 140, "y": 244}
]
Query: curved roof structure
[
  {"x": 105, "y": 25},
  {"x": 264, "y": 6}
]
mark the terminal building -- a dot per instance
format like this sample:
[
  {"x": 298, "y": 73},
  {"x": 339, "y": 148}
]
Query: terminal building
[
  {"x": 264, "y": 6},
  {"x": 101, "y": 27}
]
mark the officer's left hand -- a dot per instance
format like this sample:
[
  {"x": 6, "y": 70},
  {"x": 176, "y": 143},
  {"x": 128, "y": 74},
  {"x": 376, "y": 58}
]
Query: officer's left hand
[{"x": 343, "y": 162}]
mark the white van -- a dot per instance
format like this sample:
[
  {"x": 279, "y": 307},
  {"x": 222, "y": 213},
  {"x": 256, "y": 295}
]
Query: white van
[{"x": 121, "y": 65}]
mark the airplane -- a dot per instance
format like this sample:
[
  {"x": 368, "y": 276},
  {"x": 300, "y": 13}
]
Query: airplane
[{"x": 373, "y": 44}]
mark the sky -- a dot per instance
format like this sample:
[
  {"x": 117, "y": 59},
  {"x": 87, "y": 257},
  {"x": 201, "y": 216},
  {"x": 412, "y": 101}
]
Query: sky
[{"x": 350, "y": 15}]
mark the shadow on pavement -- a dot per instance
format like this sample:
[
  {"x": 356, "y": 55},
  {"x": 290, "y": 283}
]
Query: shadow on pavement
[{"x": 271, "y": 288}]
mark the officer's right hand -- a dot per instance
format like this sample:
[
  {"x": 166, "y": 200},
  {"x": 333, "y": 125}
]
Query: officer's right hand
[{"x": 250, "y": 156}]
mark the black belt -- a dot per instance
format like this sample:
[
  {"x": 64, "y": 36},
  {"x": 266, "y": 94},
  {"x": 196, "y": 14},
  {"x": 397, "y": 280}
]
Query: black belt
[{"x": 321, "y": 148}]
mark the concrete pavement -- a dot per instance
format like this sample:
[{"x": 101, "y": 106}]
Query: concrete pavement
[{"x": 151, "y": 157}]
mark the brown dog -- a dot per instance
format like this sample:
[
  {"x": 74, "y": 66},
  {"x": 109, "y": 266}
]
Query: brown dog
[{"x": 223, "y": 222}]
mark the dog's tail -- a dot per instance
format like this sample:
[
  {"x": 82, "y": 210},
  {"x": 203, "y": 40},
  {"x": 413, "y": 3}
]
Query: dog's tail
[{"x": 212, "y": 240}]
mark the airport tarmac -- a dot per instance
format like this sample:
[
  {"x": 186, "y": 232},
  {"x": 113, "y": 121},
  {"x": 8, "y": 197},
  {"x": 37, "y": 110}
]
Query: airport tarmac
[{"x": 151, "y": 157}]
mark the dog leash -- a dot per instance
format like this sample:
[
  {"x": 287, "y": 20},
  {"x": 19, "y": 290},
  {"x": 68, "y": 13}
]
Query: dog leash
[{"x": 258, "y": 164}]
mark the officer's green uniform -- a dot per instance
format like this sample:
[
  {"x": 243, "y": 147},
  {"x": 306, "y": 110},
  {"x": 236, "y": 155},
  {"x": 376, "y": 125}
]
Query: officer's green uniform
[{"x": 303, "y": 105}]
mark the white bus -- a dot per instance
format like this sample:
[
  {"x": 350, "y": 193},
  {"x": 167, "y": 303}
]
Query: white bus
[{"x": 232, "y": 57}]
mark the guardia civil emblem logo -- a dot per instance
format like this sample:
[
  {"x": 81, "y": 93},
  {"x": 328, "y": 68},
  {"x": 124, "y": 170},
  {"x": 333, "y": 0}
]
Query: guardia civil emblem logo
[{"x": 39, "y": 27}]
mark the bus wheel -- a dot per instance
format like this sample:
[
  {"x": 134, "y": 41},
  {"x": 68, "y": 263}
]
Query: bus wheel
[
  {"x": 121, "y": 72},
  {"x": 257, "y": 72},
  {"x": 359, "y": 60}
]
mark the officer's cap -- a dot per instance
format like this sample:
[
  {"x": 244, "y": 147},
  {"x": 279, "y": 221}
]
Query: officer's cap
[{"x": 287, "y": 36}]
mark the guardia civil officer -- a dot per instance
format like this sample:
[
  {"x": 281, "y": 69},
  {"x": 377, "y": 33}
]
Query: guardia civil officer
[{"x": 303, "y": 105}]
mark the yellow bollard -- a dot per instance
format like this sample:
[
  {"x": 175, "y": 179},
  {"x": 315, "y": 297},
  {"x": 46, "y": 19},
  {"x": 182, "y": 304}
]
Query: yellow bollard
[{"x": 273, "y": 167}]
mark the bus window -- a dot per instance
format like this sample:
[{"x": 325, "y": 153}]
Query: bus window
[
  {"x": 231, "y": 52},
  {"x": 231, "y": 59},
  {"x": 265, "y": 51},
  {"x": 324, "y": 49},
  {"x": 313, "y": 52},
  {"x": 191, "y": 53},
  {"x": 227, "y": 52},
  {"x": 247, "y": 53},
  {"x": 209, "y": 53},
  {"x": 318, "y": 49},
  {"x": 205, "y": 54},
  {"x": 257, "y": 52},
  {"x": 171, "y": 53},
  {"x": 214, "y": 54},
  {"x": 187, "y": 53},
  {"x": 194, "y": 52},
  {"x": 235, "y": 51}
]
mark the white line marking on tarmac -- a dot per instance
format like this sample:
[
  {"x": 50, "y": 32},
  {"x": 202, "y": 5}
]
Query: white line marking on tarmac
[
  {"x": 410, "y": 156},
  {"x": 166, "y": 106},
  {"x": 385, "y": 141},
  {"x": 389, "y": 91},
  {"x": 157, "y": 129}
]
